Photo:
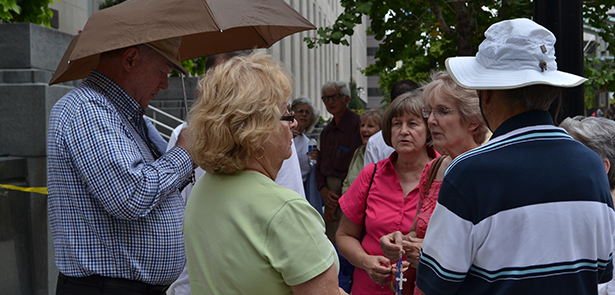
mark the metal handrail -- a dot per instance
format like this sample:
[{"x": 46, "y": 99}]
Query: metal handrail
[
  {"x": 157, "y": 110},
  {"x": 163, "y": 126}
]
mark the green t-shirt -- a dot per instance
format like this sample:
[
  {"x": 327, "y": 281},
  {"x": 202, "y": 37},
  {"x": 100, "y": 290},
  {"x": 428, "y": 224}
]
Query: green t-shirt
[
  {"x": 356, "y": 165},
  {"x": 244, "y": 234}
]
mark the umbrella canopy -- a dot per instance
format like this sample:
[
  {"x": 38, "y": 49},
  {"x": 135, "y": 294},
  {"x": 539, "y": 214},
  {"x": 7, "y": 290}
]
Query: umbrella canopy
[{"x": 206, "y": 27}]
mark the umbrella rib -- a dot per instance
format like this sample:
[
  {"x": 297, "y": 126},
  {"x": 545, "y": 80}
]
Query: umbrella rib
[
  {"x": 261, "y": 36},
  {"x": 213, "y": 16}
]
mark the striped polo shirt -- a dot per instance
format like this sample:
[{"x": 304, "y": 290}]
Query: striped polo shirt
[{"x": 530, "y": 212}]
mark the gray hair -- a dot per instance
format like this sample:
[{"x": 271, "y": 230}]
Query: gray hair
[
  {"x": 443, "y": 85},
  {"x": 342, "y": 87},
  {"x": 596, "y": 133},
  {"x": 315, "y": 113},
  {"x": 533, "y": 97}
]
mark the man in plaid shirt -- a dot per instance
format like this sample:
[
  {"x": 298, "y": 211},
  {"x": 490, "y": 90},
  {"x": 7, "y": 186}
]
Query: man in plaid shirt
[{"x": 115, "y": 210}]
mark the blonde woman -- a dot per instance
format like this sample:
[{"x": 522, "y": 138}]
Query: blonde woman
[
  {"x": 371, "y": 123},
  {"x": 245, "y": 234}
]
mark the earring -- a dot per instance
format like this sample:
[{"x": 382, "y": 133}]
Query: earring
[{"x": 261, "y": 156}]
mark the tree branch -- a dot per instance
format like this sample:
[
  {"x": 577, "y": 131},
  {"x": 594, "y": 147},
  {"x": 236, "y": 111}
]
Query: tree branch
[{"x": 435, "y": 8}]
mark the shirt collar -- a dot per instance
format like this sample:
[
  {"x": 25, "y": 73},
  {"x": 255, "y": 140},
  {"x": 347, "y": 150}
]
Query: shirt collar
[
  {"x": 124, "y": 103},
  {"x": 344, "y": 121},
  {"x": 531, "y": 118},
  {"x": 431, "y": 152}
]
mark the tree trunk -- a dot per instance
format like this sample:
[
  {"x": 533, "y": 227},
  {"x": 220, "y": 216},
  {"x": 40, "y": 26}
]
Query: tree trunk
[{"x": 464, "y": 29}]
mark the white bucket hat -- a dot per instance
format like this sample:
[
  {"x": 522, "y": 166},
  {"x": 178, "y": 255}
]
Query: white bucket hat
[{"x": 515, "y": 53}]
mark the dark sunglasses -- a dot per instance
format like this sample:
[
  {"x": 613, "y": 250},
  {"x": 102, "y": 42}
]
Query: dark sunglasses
[{"x": 289, "y": 116}]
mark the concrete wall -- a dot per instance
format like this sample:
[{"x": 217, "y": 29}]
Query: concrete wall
[
  {"x": 310, "y": 67},
  {"x": 30, "y": 54},
  {"x": 73, "y": 14},
  {"x": 314, "y": 67}
]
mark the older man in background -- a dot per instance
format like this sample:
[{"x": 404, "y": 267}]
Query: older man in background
[{"x": 338, "y": 141}]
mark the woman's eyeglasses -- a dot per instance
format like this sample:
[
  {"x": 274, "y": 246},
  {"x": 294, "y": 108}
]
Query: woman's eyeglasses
[
  {"x": 289, "y": 116},
  {"x": 437, "y": 112},
  {"x": 303, "y": 112}
]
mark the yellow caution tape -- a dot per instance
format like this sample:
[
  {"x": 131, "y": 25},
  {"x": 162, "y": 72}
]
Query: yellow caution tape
[{"x": 38, "y": 190}]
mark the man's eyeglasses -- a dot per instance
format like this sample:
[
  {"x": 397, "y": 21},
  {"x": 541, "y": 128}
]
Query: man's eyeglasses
[
  {"x": 437, "y": 112},
  {"x": 333, "y": 97},
  {"x": 303, "y": 112},
  {"x": 289, "y": 116}
]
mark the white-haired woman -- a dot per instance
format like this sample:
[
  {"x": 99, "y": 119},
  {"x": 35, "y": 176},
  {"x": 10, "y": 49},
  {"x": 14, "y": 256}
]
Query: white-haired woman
[
  {"x": 307, "y": 117},
  {"x": 598, "y": 134}
]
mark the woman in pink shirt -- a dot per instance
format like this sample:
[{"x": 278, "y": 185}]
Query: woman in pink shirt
[
  {"x": 390, "y": 204},
  {"x": 456, "y": 126}
]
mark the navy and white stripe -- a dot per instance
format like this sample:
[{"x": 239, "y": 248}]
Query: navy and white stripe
[
  {"x": 528, "y": 213},
  {"x": 114, "y": 211}
]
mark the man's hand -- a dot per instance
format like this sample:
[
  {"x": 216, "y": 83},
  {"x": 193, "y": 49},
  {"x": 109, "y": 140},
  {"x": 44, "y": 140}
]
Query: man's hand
[
  {"x": 295, "y": 132},
  {"x": 329, "y": 196},
  {"x": 182, "y": 142},
  {"x": 314, "y": 154},
  {"x": 329, "y": 215}
]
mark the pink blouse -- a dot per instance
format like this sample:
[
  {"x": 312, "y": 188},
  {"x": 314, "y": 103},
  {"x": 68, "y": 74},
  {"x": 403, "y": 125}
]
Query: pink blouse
[
  {"x": 427, "y": 202},
  {"x": 387, "y": 211}
]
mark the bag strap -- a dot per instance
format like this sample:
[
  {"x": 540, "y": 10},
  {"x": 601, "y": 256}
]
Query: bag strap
[
  {"x": 368, "y": 188},
  {"x": 371, "y": 181},
  {"x": 433, "y": 172}
]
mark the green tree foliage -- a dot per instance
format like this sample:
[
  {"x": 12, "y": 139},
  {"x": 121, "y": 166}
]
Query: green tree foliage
[
  {"x": 195, "y": 66},
  {"x": 599, "y": 71},
  {"x": 26, "y": 11},
  {"x": 417, "y": 36},
  {"x": 355, "y": 102},
  {"x": 109, "y": 3}
]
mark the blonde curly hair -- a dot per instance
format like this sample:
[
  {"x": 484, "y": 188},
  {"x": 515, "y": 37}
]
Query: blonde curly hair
[{"x": 237, "y": 110}]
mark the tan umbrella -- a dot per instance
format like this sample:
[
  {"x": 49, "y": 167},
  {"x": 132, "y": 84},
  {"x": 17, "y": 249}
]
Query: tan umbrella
[{"x": 206, "y": 27}]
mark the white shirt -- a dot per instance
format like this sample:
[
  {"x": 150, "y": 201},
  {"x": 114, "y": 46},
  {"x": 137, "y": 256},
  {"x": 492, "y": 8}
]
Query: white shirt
[
  {"x": 301, "y": 143},
  {"x": 198, "y": 172},
  {"x": 376, "y": 149}
]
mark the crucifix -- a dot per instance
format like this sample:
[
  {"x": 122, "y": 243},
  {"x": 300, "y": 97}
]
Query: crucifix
[{"x": 399, "y": 280}]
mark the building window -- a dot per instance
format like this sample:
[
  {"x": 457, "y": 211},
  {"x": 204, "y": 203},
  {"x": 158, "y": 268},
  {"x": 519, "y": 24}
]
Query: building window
[{"x": 371, "y": 51}]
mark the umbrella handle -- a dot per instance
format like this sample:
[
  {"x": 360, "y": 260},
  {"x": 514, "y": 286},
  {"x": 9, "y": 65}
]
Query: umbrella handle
[{"x": 184, "y": 95}]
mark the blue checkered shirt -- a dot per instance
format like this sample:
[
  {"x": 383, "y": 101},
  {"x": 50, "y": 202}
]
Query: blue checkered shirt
[{"x": 114, "y": 210}]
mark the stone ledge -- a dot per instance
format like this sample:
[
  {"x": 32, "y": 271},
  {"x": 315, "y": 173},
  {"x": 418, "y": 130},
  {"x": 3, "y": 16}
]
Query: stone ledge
[
  {"x": 26, "y": 46},
  {"x": 13, "y": 168},
  {"x": 19, "y": 76}
]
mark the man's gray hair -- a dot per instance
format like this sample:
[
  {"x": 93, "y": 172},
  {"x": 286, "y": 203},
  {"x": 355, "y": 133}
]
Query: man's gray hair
[
  {"x": 596, "y": 133},
  {"x": 315, "y": 113},
  {"x": 340, "y": 86},
  {"x": 533, "y": 97}
]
